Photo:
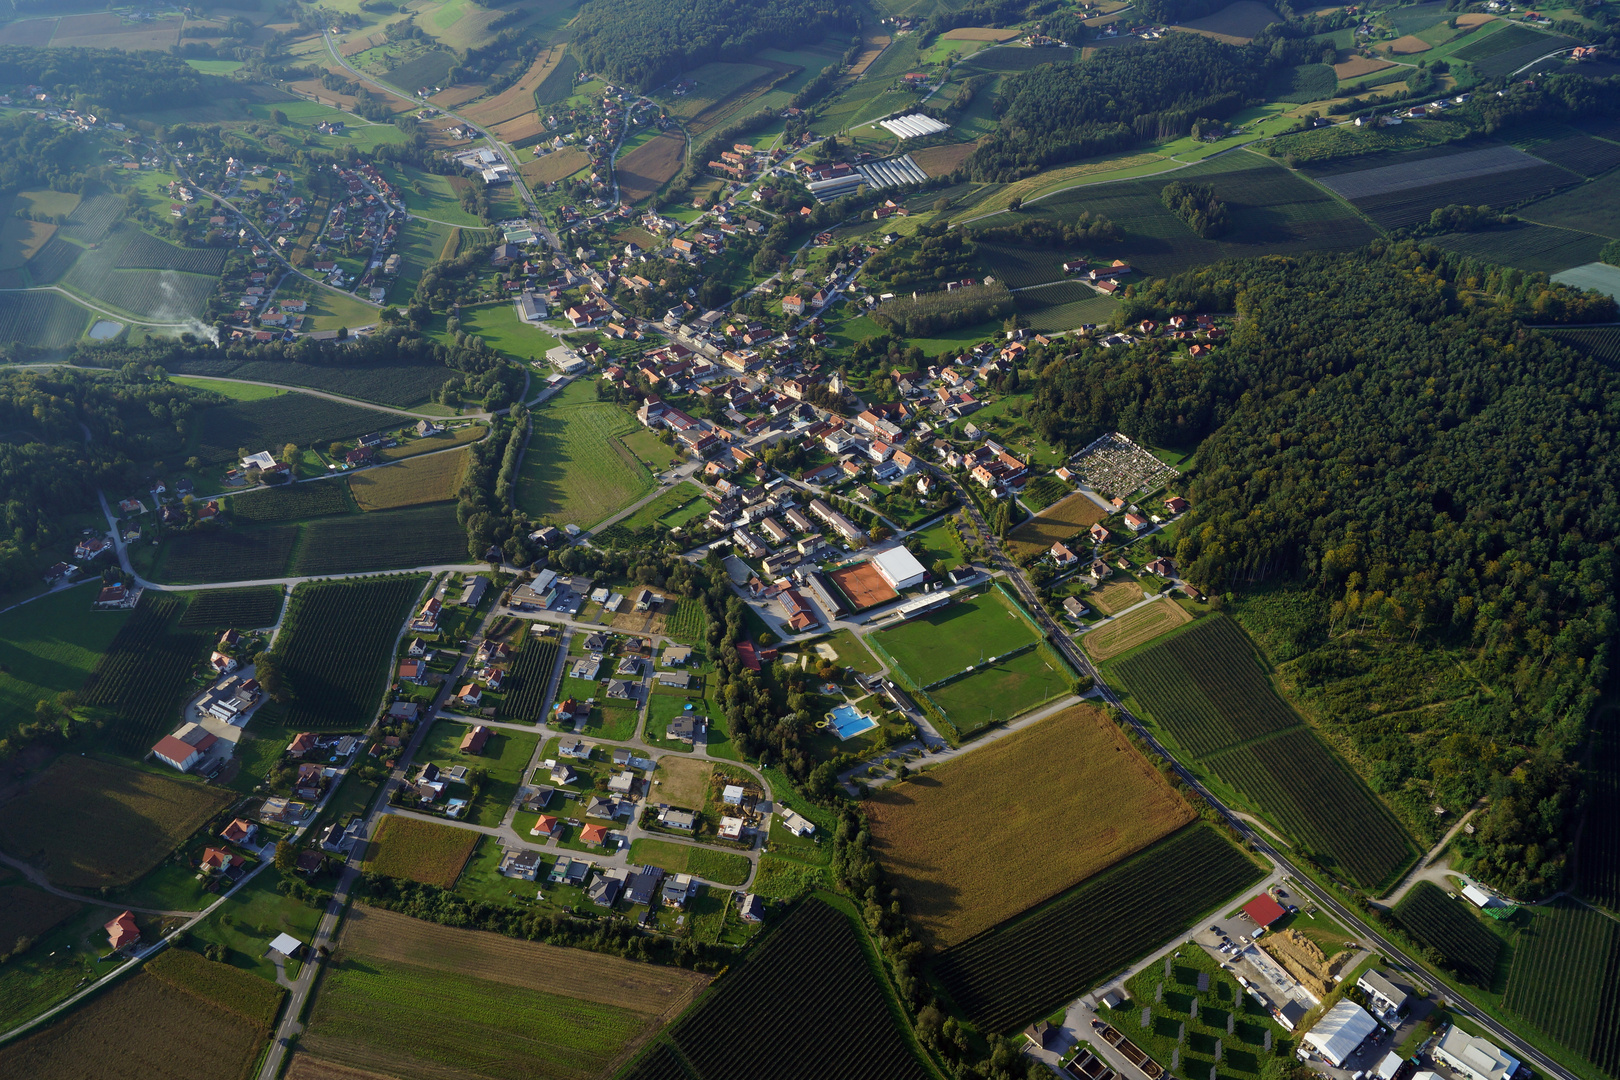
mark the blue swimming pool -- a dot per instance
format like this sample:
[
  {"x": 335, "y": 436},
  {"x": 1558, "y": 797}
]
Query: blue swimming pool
[{"x": 847, "y": 721}]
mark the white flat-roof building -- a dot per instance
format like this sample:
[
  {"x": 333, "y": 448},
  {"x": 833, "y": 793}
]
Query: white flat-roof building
[
  {"x": 899, "y": 568},
  {"x": 1345, "y": 1027},
  {"x": 1474, "y": 1057},
  {"x": 261, "y": 461},
  {"x": 1384, "y": 996}
]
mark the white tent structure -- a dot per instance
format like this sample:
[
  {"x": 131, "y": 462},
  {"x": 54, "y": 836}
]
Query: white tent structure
[
  {"x": 286, "y": 945},
  {"x": 1336, "y": 1036}
]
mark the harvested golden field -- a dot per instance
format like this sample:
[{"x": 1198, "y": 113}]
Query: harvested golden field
[
  {"x": 518, "y": 98},
  {"x": 1357, "y": 66},
  {"x": 1115, "y": 596},
  {"x": 1129, "y": 631},
  {"x": 650, "y": 166},
  {"x": 1468, "y": 22},
  {"x": 1410, "y": 45},
  {"x": 374, "y": 933},
  {"x": 408, "y": 999},
  {"x": 939, "y": 160},
  {"x": 420, "y": 850},
  {"x": 983, "y": 838},
  {"x": 141, "y": 1028},
  {"x": 108, "y": 30},
  {"x": 683, "y": 781},
  {"x": 304, "y": 1067},
  {"x": 1059, "y": 521},
  {"x": 428, "y": 479},
  {"x": 453, "y": 97},
  {"x": 520, "y": 131},
  {"x": 554, "y": 166},
  {"x": 980, "y": 33},
  {"x": 87, "y": 823},
  {"x": 356, "y": 45},
  {"x": 872, "y": 46}
]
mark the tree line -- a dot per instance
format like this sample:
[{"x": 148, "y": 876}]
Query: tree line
[
  {"x": 1119, "y": 98},
  {"x": 646, "y": 42}
]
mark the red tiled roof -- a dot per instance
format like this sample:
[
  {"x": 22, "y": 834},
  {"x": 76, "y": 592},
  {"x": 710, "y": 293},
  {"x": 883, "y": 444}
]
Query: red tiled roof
[
  {"x": 1264, "y": 910},
  {"x": 173, "y": 749}
]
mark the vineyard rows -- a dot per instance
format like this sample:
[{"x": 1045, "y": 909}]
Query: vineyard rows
[
  {"x": 335, "y": 646},
  {"x": 399, "y": 385},
  {"x": 383, "y": 540},
  {"x": 240, "y": 609},
  {"x": 292, "y": 502},
  {"x": 1451, "y": 928},
  {"x": 48, "y": 320},
  {"x": 273, "y": 422},
  {"x": 145, "y": 674},
  {"x": 661, "y": 1063},
  {"x": 1600, "y": 342},
  {"x": 806, "y": 1005},
  {"x": 1580, "y": 153},
  {"x": 146, "y": 252},
  {"x": 1599, "y": 856},
  {"x": 1025, "y": 968},
  {"x": 1314, "y": 795},
  {"x": 525, "y": 685},
  {"x": 1559, "y": 964},
  {"x": 226, "y": 554},
  {"x": 1206, "y": 688},
  {"x": 689, "y": 623}
]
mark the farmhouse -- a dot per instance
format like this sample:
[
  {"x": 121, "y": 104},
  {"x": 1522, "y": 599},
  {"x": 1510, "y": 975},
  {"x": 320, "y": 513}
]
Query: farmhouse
[
  {"x": 1475, "y": 1058},
  {"x": 1345, "y": 1027},
  {"x": 122, "y": 931}
]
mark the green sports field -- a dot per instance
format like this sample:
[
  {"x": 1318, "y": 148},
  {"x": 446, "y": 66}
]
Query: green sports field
[{"x": 942, "y": 643}]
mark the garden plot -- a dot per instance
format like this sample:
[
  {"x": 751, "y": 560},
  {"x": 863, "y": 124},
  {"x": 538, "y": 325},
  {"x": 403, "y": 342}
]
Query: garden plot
[{"x": 1451, "y": 168}]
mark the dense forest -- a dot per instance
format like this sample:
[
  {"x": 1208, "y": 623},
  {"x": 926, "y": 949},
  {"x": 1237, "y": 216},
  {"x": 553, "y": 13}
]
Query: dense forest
[
  {"x": 1420, "y": 467},
  {"x": 67, "y": 432},
  {"x": 644, "y": 42},
  {"x": 110, "y": 79},
  {"x": 1119, "y": 97},
  {"x": 1198, "y": 207}
]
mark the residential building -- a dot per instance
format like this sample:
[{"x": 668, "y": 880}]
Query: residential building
[
  {"x": 752, "y": 909},
  {"x": 604, "y": 891},
  {"x": 521, "y": 864},
  {"x": 1384, "y": 996},
  {"x": 474, "y": 741},
  {"x": 678, "y": 888},
  {"x": 122, "y": 931}
]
